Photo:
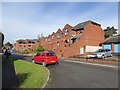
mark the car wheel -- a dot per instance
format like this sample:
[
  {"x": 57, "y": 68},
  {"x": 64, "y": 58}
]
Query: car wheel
[
  {"x": 33, "y": 61},
  {"x": 44, "y": 64},
  {"x": 111, "y": 55},
  {"x": 57, "y": 63},
  {"x": 103, "y": 56}
]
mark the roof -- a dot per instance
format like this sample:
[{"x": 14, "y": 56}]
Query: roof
[
  {"x": 26, "y": 41},
  {"x": 82, "y": 25},
  {"x": 75, "y": 37},
  {"x": 114, "y": 39}
]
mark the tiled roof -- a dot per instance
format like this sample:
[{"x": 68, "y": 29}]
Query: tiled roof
[
  {"x": 26, "y": 41},
  {"x": 81, "y": 26},
  {"x": 114, "y": 39}
]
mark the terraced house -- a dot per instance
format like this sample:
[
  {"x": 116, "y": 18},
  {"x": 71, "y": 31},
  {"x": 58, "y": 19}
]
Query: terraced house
[
  {"x": 80, "y": 39},
  {"x": 27, "y": 44}
]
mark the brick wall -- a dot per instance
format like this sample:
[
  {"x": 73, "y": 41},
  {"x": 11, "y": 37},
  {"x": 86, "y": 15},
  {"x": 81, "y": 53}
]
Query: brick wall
[
  {"x": 26, "y": 46},
  {"x": 92, "y": 35}
]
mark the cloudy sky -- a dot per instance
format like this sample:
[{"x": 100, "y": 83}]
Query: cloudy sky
[{"x": 22, "y": 20}]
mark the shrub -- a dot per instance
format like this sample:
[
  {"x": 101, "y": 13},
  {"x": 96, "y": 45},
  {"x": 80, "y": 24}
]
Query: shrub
[{"x": 39, "y": 49}]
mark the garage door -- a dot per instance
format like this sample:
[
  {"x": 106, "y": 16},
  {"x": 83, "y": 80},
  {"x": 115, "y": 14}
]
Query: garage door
[
  {"x": 107, "y": 46},
  {"x": 117, "y": 48}
]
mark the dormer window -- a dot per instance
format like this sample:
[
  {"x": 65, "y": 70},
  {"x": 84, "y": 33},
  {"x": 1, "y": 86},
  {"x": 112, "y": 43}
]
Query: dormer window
[
  {"x": 58, "y": 35},
  {"x": 66, "y": 31},
  {"x": 52, "y": 36}
]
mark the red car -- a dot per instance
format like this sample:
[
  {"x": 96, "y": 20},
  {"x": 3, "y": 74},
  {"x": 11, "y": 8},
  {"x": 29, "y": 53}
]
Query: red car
[{"x": 45, "y": 58}]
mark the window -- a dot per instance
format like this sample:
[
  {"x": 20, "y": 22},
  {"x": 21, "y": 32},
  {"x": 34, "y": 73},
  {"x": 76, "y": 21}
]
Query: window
[
  {"x": 38, "y": 54},
  {"x": 50, "y": 54},
  {"x": 48, "y": 39},
  {"x": 29, "y": 45},
  {"x": 66, "y": 31},
  {"x": 58, "y": 35},
  {"x": 42, "y": 54},
  {"x": 29, "y": 41},
  {"x": 52, "y": 36}
]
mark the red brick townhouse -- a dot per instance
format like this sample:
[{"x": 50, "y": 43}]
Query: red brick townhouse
[
  {"x": 81, "y": 39},
  {"x": 27, "y": 44}
]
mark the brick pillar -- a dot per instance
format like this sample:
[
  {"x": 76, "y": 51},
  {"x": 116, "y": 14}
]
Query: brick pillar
[{"x": 112, "y": 46}]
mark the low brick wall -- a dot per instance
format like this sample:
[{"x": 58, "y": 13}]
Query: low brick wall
[{"x": 95, "y": 60}]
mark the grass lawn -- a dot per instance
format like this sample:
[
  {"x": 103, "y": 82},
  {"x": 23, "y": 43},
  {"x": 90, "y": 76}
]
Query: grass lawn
[{"x": 30, "y": 75}]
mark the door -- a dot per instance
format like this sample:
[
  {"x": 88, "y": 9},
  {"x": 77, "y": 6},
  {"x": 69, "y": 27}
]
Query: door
[
  {"x": 41, "y": 57},
  {"x": 116, "y": 48},
  {"x": 36, "y": 57}
]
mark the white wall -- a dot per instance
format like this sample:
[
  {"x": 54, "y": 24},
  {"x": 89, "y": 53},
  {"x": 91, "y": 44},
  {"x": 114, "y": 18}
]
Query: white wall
[{"x": 92, "y": 48}]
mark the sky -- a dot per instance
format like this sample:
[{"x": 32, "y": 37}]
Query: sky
[{"x": 27, "y": 20}]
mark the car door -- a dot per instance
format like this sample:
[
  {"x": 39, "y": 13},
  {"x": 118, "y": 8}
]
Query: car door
[
  {"x": 36, "y": 57},
  {"x": 106, "y": 53},
  {"x": 109, "y": 52},
  {"x": 41, "y": 57}
]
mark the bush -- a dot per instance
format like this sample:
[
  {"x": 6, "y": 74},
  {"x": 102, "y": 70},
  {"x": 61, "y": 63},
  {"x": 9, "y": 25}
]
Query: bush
[
  {"x": 39, "y": 49},
  {"x": 23, "y": 52}
]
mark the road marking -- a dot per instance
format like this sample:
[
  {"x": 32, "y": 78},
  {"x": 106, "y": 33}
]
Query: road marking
[{"x": 93, "y": 64}]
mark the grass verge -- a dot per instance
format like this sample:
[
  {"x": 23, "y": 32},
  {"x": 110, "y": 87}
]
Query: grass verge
[{"x": 30, "y": 75}]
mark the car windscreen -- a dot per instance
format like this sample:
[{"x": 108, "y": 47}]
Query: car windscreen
[{"x": 50, "y": 54}]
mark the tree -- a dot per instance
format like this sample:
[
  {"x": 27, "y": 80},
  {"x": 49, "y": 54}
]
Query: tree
[
  {"x": 39, "y": 49},
  {"x": 40, "y": 37},
  {"x": 9, "y": 45},
  {"x": 110, "y": 31}
]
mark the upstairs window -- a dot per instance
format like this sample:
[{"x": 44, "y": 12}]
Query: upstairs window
[
  {"x": 29, "y": 45},
  {"x": 66, "y": 31},
  {"x": 52, "y": 36},
  {"x": 58, "y": 35}
]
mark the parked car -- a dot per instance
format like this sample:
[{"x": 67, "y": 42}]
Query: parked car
[
  {"x": 45, "y": 58},
  {"x": 101, "y": 53}
]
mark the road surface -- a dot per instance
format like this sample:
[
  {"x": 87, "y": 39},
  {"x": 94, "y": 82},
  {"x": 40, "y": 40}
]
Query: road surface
[{"x": 78, "y": 75}]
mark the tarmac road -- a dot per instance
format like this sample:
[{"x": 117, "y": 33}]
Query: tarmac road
[{"x": 78, "y": 75}]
